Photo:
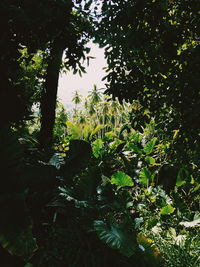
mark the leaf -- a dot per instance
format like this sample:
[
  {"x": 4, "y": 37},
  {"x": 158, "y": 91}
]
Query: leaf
[
  {"x": 121, "y": 179},
  {"x": 150, "y": 160},
  {"x": 145, "y": 176},
  {"x": 115, "y": 144},
  {"x": 150, "y": 146},
  {"x": 116, "y": 236},
  {"x": 96, "y": 130},
  {"x": 195, "y": 223},
  {"x": 110, "y": 135},
  {"x": 136, "y": 137},
  {"x": 175, "y": 134},
  {"x": 134, "y": 147},
  {"x": 86, "y": 132},
  {"x": 56, "y": 160},
  {"x": 167, "y": 210},
  {"x": 182, "y": 176},
  {"x": 97, "y": 146},
  {"x": 74, "y": 130}
]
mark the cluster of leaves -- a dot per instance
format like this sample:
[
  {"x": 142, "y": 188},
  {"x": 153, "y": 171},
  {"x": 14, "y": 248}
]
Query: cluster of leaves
[
  {"x": 92, "y": 117},
  {"x": 119, "y": 199},
  {"x": 121, "y": 196},
  {"x": 151, "y": 49},
  {"x": 116, "y": 195}
]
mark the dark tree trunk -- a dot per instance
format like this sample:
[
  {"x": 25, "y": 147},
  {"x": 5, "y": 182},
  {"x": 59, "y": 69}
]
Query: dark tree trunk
[{"x": 49, "y": 96}]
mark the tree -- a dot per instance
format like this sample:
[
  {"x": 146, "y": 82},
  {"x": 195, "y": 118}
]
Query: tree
[
  {"x": 152, "y": 49},
  {"x": 58, "y": 27},
  {"x": 76, "y": 98},
  {"x": 95, "y": 95},
  {"x": 71, "y": 38},
  {"x": 20, "y": 29}
]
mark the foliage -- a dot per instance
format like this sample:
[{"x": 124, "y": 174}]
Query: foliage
[
  {"x": 111, "y": 204},
  {"x": 121, "y": 179},
  {"x": 121, "y": 188},
  {"x": 176, "y": 249},
  {"x": 151, "y": 49},
  {"x": 116, "y": 236}
]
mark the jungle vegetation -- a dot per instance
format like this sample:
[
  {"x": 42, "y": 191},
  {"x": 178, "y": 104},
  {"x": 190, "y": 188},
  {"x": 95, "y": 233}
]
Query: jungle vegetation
[{"x": 116, "y": 181}]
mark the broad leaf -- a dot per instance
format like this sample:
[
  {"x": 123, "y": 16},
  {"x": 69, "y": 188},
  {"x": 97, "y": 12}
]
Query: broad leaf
[
  {"x": 116, "y": 236},
  {"x": 182, "y": 176},
  {"x": 97, "y": 146},
  {"x": 150, "y": 160},
  {"x": 195, "y": 223},
  {"x": 167, "y": 210},
  {"x": 56, "y": 160},
  {"x": 134, "y": 148},
  {"x": 136, "y": 137},
  {"x": 145, "y": 176},
  {"x": 150, "y": 146},
  {"x": 121, "y": 179}
]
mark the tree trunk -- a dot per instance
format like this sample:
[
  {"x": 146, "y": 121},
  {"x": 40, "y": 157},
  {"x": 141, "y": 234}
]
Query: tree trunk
[{"x": 49, "y": 96}]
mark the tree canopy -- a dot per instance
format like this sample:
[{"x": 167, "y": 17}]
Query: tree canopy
[{"x": 152, "y": 49}]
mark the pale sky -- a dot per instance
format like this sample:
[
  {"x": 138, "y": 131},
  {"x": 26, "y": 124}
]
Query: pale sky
[{"x": 68, "y": 82}]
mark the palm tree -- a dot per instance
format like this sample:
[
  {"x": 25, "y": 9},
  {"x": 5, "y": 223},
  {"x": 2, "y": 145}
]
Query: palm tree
[
  {"x": 76, "y": 98},
  {"x": 95, "y": 95}
]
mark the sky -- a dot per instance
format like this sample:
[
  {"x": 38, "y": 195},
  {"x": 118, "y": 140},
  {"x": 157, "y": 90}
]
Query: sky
[{"x": 68, "y": 82}]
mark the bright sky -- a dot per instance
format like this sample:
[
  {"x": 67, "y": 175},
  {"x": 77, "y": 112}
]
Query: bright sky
[{"x": 68, "y": 82}]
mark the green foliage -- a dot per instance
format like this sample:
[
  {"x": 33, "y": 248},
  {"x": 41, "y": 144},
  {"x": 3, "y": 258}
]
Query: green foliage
[
  {"x": 145, "y": 177},
  {"x": 145, "y": 32},
  {"x": 116, "y": 236},
  {"x": 73, "y": 130},
  {"x": 167, "y": 210},
  {"x": 82, "y": 131},
  {"x": 177, "y": 250},
  {"x": 148, "y": 149},
  {"x": 97, "y": 146},
  {"x": 121, "y": 179},
  {"x": 122, "y": 183}
]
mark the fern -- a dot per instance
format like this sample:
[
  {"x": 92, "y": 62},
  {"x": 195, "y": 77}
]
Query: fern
[
  {"x": 116, "y": 236},
  {"x": 74, "y": 130}
]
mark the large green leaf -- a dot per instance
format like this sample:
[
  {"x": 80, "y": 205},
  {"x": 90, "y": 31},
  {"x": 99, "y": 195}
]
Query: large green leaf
[
  {"x": 148, "y": 149},
  {"x": 150, "y": 160},
  {"x": 116, "y": 236},
  {"x": 145, "y": 176},
  {"x": 121, "y": 179},
  {"x": 182, "y": 176},
  {"x": 15, "y": 226},
  {"x": 97, "y": 146},
  {"x": 167, "y": 210},
  {"x": 134, "y": 148}
]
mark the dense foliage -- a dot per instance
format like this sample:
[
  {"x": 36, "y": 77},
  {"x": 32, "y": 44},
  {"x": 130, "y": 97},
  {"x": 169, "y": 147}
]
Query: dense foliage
[
  {"x": 114, "y": 182},
  {"x": 152, "y": 49}
]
